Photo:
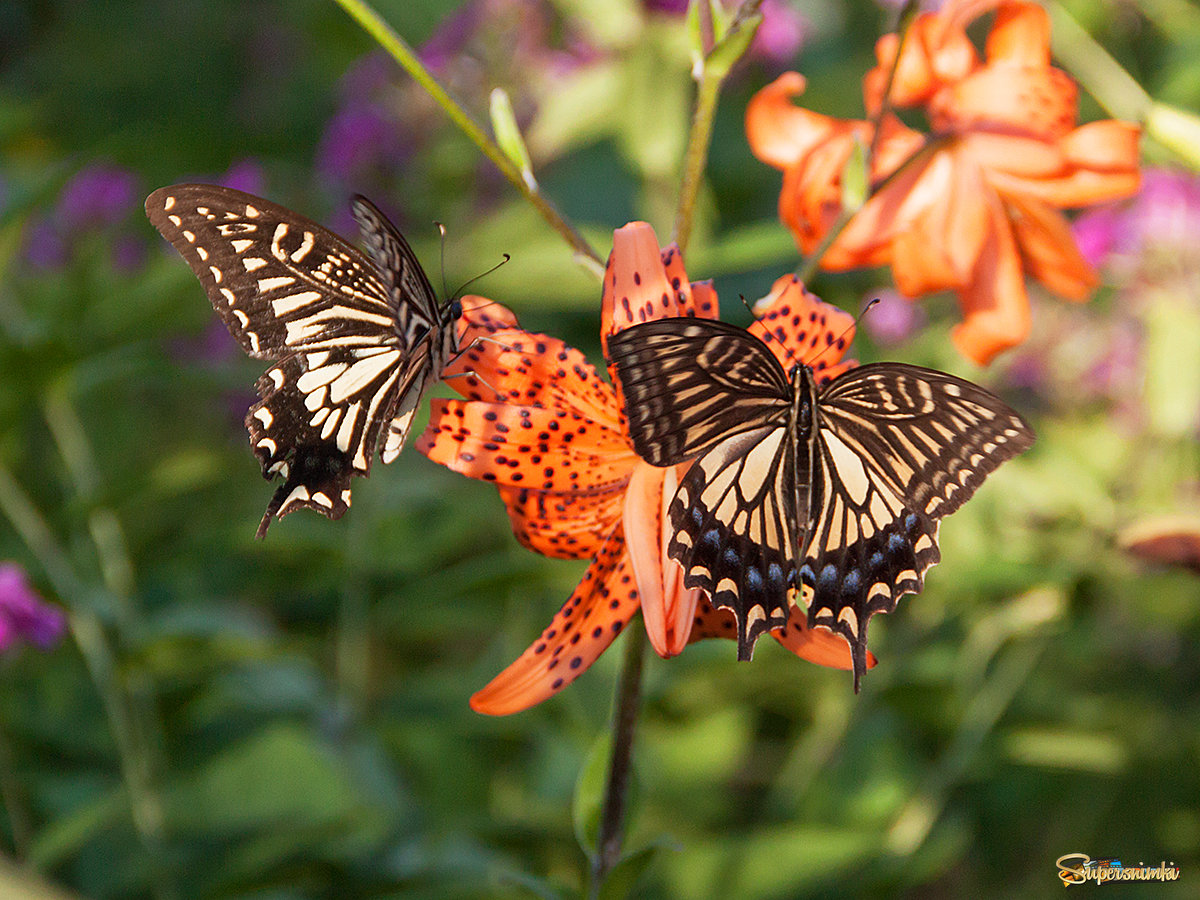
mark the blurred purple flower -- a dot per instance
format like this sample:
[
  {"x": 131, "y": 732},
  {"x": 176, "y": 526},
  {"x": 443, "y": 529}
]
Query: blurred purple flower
[
  {"x": 128, "y": 253},
  {"x": 893, "y": 319},
  {"x": 450, "y": 38},
  {"x": 1096, "y": 233},
  {"x": 24, "y": 618},
  {"x": 97, "y": 196},
  {"x": 358, "y": 139},
  {"x": 245, "y": 175},
  {"x": 667, "y": 7},
  {"x": 45, "y": 247},
  {"x": 781, "y": 34},
  {"x": 1154, "y": 230}
]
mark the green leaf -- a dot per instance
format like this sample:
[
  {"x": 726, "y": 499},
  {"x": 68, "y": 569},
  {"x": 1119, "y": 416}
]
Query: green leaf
[
  {"x": 624, "y": 876},
  {"x": 588, "y": 802},
  {"x": 855, "y": 179},
  {"x": 64, "y": 836},
  {"x": 280, "y": 775},
  {"x": 733, "y": 46},
  {"x": 508, "y": 135}
]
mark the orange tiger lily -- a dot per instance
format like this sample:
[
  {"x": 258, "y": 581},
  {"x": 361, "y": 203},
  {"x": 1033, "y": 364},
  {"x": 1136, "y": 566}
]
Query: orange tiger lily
[
  {"x": 541, "y": 424},
  {"x": 973, "y": 206}
]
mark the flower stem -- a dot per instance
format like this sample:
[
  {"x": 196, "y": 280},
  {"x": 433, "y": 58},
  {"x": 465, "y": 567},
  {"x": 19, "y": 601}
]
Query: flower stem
[
  {"x": 711, "y": 75},
  {"x": 403, "y": 54},
  {"x": 625, "y": 713},
  {"x": 696, "y": 159}
]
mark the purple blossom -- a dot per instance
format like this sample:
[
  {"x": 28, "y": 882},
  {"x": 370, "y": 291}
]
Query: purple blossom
[
  {"x": 1149, "y": 233},
  {"x": 245, "y": 175},
  {"x": 97, "y": 196},
  {"x": 451, "y": 37},
  {"x": 893, "y": 319},
  {"x": 24, "y": 618},
  {"x": 358, "y": 139},
  {"x": 1096, "y": 233},
  {"x": 781, "y": 34},
  {"x": 45, "y": 247},
  {"x": 667, "y": 7}
]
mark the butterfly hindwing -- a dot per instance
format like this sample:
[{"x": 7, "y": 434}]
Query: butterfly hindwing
[
  {"x": 733, "y": 517},
  {"x": 831, "y": 498},
  {"x": 689, "y": 383},
  {"x": 357, "y": 338}
]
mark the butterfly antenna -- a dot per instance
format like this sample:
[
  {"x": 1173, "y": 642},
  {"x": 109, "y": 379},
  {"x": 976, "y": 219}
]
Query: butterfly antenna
[
  {"x": 845, "y": 332},
  {"x": 471, "y": 281},
  {"x": 767, "y": 336},
  {"x": 442, "y": 236}
]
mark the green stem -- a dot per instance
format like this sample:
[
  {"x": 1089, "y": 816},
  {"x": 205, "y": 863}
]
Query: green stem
[
  {"x": 625, "y": 713},
  {"x": 69, "y": 435},
  {"x": 696, "y": 159},
  {"x": 711, "y": 77},
  {"x": 395, "y": 46}
]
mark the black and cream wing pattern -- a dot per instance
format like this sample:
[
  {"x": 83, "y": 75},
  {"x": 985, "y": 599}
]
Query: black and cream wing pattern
[
  {"x": 827, "y": 498},
  {"x": 356, "y": 338}
]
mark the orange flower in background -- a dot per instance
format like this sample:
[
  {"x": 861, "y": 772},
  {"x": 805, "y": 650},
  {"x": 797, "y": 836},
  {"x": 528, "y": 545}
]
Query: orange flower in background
[
  {"x": 973, "y": 206},
  {"x": 541, "y": 424}
]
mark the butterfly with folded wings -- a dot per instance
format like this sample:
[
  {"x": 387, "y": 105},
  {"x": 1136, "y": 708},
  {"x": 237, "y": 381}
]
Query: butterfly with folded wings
[
  {"x": 357, "y": 338},
  {"x": 825, "y": 496}
]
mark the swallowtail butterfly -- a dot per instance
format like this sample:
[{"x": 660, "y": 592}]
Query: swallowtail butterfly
[
  {"x": 828, "y": 496},
  {"x": 357, "y": 338}
]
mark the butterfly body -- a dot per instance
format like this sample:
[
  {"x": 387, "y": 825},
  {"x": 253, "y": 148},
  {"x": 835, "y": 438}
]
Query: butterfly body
[
  {"x": 357, "y": 338},
  {"x": 826, "y": 497}
]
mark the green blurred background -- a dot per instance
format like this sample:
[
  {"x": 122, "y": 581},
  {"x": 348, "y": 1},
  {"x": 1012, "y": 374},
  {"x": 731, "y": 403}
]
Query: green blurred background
[{"x": 288, "y": 718}]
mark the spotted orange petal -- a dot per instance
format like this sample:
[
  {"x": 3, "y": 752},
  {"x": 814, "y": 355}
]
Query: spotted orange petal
[
  {"x": 563, "y": 525},
  {"x": 588, "y": 622},
  {"x": 642, "y": 283},
  {"x": 800, "y": 327},
  {"x": 526, "y": 446}
]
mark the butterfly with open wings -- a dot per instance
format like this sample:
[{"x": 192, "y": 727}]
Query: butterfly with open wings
[
  {"x": 358, "y": 338},
  {"x": 827, "y": 496}
]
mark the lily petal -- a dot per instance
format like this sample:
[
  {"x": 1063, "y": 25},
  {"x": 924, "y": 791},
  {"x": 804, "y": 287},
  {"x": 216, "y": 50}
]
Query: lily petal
[
  {"x": 667, "y": 606},
  {"x": 526, "y": 446},
  {"x": 995, "y": 305},
  {"x": 598, "y": 610},
  {"x": 562, "y": 525}
]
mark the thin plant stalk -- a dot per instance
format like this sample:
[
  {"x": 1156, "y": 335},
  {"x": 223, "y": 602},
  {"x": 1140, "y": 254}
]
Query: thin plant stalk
[
  {"x": 708, "y": 91},
  {"x": 378, "y": 29},
  {"x": 610, "y": 836}
]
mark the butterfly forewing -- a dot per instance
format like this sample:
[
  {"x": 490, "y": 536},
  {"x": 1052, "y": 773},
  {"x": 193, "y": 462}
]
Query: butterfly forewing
[
  {"x": 689, "y": 383},
  {"x": 357, "y": 338},
  {"x": 829, "y": 499}
]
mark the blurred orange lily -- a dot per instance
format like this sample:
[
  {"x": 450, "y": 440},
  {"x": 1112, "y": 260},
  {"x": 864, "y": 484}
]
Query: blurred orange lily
[
  {"x": 974, "y": 205},
  {"x": 541, "y": 424}
]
